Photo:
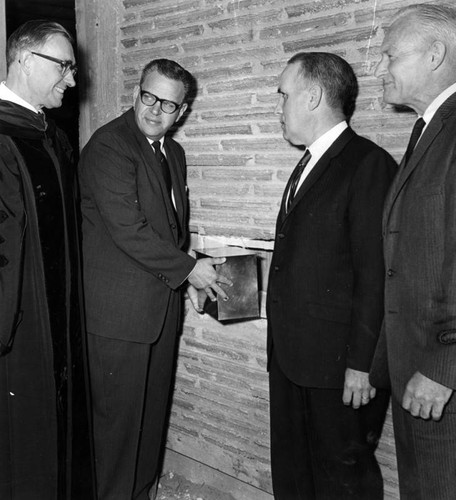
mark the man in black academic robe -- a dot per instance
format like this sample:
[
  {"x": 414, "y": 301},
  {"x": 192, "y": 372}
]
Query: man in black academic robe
[{"x": 44, "y": 425}]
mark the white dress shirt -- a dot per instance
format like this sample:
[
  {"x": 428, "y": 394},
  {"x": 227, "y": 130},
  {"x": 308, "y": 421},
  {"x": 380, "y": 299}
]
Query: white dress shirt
[
  {"x": 7, "y": 94},
  {"x": 319, "y": 147}
]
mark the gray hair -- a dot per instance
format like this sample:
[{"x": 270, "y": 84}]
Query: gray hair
[
  {"x": 436, "y": 22},
  {"x": 31, "y": 35}
]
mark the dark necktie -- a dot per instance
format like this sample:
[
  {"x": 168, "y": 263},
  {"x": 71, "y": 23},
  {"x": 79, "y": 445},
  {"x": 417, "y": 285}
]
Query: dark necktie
[
  {"x": 295, "y": 176},
  {"x": 416, "y": 133},
  {"x": 163, "y": 165}
]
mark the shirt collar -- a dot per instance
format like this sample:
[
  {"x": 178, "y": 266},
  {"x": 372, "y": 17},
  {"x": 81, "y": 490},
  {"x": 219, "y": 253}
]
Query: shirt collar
[
  {"x": 161, "y": 141},
  {"x": 8, "y": 95},
  {"x": 319, "y": 147},
  {"x": 437, "y": 102}
]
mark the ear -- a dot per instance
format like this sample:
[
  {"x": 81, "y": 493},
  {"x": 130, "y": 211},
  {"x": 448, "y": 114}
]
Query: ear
[
  {"x": 315, "y": 96},
  {"x": 182, "y": 110},
  {"x": 25, "y": 61},
  {"x": 437, "y": 52}
]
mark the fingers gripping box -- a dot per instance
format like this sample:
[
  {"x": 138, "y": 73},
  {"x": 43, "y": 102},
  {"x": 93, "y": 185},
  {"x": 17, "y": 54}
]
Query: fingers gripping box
[{"x": 241, "y": 267}]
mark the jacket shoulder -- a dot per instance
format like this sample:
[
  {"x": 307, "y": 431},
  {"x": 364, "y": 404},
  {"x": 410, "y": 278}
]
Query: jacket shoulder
[
  {"x": 362, "y": 147},
  {"x": 117, "y": 126},
  {"x": 171, "y": 143},
  {"x": 365, "y": 144},
  {"x": 116, "y": 135}
]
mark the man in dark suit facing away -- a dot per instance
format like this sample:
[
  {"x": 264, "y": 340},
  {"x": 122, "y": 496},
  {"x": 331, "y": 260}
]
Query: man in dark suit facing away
[
  {"x": 325, "y": 292},
  {"x": 134, "y": 207},
  {"x": 416, "y": 351}
]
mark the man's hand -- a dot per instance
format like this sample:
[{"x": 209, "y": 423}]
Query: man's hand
[
  {"x": 204, "y": 277},
  {"x": 195, "y": 299},
  {"x": 425, "y": 398},
  {"x": 357, "y": 389}
]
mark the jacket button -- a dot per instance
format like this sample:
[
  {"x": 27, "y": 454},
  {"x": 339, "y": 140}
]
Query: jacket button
[
  {"x": 281, "y": 236},
  {"x": 3, "y": 261},
  {"x": 173, "y": 226},
  {"x": 390, "y": 273},
  {"x": 3, "y": 216},
  {"x": 276, "y": 268}
]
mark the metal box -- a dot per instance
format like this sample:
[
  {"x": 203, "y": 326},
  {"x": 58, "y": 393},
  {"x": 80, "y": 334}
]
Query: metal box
[{"x": 241, "y": 267}]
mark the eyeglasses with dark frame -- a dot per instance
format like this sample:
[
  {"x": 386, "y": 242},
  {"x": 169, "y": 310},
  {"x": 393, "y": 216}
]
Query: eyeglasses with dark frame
[
  {"x": 65, "y": 66},
  {"x": 166, "y": 106}
]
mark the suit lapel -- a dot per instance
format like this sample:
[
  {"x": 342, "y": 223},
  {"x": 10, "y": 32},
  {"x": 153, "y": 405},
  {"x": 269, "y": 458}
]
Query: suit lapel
[
  {"x": 178, "y": 182},
  {"x": 317, "y": 171},
  {"x": 430, "y": 133},
  {"x": 404, "y": 171},
  {"x": 149, "y": 161}
]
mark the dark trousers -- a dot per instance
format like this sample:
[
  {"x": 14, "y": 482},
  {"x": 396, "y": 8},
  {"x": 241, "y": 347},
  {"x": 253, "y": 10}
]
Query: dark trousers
[
  {"x": 131, "y": 385},
  {"x": 320, "y": 448},
  {"x": 426, "y": 455}
]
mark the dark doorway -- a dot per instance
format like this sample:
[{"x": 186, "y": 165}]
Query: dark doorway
[{"x": 18, "y": 12}]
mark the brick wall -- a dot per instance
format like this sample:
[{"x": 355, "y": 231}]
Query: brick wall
[{"x": 238, "y": 164}]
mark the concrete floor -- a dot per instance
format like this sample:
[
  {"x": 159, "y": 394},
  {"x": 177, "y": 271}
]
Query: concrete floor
[{"x": 173, "y": 486}]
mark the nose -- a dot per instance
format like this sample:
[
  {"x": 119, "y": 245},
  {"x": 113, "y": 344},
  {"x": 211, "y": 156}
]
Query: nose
[
  {"x": 69, "y": 79},
  {"x": 156, "y": 108},
  {"x": 279, "y": 106},
  {"x": 380, "y": 69}
]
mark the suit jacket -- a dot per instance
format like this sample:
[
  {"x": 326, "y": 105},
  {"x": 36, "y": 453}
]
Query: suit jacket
[
  {"x": 133, "y": 237},
  {"x": 419, "y": 231},
  {"x": 325, "y": 290}
]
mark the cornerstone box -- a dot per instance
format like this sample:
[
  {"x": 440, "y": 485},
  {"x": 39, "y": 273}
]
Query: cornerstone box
[{"x": 241, "y": 267}]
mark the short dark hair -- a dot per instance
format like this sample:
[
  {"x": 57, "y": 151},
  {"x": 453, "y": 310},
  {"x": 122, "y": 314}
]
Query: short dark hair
[
  {"x": 334, "y": 74},
  {"x": 31, "y": 35},
  {"x": 172, "y": 70}
]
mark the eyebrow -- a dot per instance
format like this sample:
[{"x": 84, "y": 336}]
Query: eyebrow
[{"x": 160, "y": 98}]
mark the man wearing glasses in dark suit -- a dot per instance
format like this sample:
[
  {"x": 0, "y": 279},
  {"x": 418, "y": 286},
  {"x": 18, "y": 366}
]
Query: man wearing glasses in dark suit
[{"x": 134, "y": 206}]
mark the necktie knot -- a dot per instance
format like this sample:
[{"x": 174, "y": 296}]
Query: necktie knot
[
  {"x": 157, "y": 148},
  {"x": 296, "y": 176},
  {"x": 415, "y": 135}
]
